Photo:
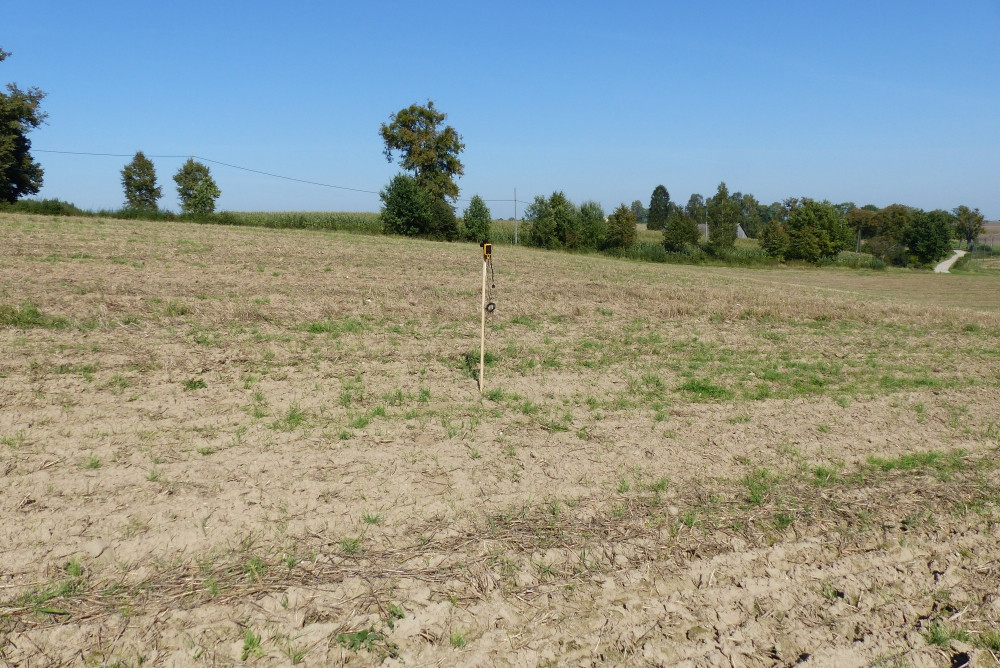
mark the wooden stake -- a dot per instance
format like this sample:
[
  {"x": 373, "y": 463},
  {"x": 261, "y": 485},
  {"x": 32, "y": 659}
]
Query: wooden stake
[{"x": 482, "y": 338}]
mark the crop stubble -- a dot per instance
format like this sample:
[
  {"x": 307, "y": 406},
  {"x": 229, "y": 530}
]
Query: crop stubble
[{"x": 276, "y": 432}]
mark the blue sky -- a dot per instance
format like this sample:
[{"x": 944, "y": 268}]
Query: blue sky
[{"x": 871, "y": 102}]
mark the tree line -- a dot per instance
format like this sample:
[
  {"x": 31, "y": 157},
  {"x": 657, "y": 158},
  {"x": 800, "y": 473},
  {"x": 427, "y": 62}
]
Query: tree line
[
  {"x": 196, "y": 188},
  {"x": 21, "y": 174},
  {"x": 811, "y": 230},
  {"x": 419, "y": 201},
  {"x": 795, "y": 229}
]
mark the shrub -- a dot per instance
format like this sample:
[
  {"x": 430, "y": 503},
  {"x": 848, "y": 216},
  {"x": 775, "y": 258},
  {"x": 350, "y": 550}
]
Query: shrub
[
  {"x": 411, "y": 210},
  {"x": 593, "y": 227},
  {"x": 476, "y": 220},
  {"x": 542, "y": 230},
  {"x": 679, "y": 231},
  {"x": 744, "y": 256},
  {"x": 621, "y": 228},
  {"x": 774, "y": 240},
  {"x": 859, "y": 261},
  {"x": 47, "y": 207},
  {"x": 557, "y": 223},
  {"x": 647, "y": 252}
]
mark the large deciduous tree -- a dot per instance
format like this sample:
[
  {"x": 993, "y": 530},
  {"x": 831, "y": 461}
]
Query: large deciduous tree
[
  {"x": 815, "y": 230},
  {"x": 196, "y": 188},
  {"x": 659, "y": 208},
  {"x": 891, "y": 222},
  {"x": 928, "y": 237},
  {"x": 890, "y": 225},
  {"x": 139, "y": 182},
  {"x": 968, "y": 223},
  {"x": 20, "y": 112},
  {"x": 427, "y": 149},
  {"x": 861, "y": 223},
  {"x": 567, "y": 220}
]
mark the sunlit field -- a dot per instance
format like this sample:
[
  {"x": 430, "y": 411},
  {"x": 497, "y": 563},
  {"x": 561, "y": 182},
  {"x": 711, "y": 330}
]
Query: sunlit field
[{"x": 224, "y": 444}]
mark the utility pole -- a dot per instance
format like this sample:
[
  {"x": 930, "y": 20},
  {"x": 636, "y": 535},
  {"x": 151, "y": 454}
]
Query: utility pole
[{"x": 515, "y": 216}]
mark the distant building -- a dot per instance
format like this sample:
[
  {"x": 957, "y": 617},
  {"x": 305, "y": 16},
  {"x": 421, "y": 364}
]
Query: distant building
[{"x": 703, "y": 231}]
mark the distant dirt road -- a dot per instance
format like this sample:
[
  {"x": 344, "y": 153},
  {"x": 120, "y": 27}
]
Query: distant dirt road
[{"x": 945, "y": 266}]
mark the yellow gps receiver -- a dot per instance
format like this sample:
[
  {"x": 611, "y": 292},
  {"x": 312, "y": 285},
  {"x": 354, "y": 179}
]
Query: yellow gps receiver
[{"x": 487, "y": 249}]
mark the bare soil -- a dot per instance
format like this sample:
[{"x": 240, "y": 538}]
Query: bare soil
[{"x": 226, "y": 445}]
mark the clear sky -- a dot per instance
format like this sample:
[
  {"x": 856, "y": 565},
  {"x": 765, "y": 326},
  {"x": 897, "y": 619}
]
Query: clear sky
[{"x": 871, "y": 102}]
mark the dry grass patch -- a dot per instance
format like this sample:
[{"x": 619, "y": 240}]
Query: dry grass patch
[{"x": 274, "y": 439}]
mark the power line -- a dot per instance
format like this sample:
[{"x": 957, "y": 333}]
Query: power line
[
  {"x": 253, "y": 171},
  {"x": 219, "y": 162}
]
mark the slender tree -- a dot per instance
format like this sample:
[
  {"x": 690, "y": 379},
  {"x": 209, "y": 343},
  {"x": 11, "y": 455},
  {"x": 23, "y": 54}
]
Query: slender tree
[
  {"x": 659, "y": 208},
  {"x": 641, "y": 213},
  {"x": 139, "y": 182},
  {"x": 477, "y": 219},
  {"x": 750, "y": 218},
  {"x": 696, "y": 209},
  {"x": 723, "y": 217},
  {"x": 593, "y": 227},
  {"x": 20, "y": 113},
  {"x": 567, "y": 220}
]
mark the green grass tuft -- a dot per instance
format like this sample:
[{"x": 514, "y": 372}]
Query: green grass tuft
[
  {"x": 759, "y": 484},
  {"x": 29, "y": 317},
  {"x": 702, "y": 390},
  {"x": 335, "y": 327}
]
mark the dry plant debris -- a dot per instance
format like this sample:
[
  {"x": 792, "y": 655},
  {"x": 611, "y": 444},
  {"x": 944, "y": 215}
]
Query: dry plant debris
[{"x": 225, "y": 445}]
